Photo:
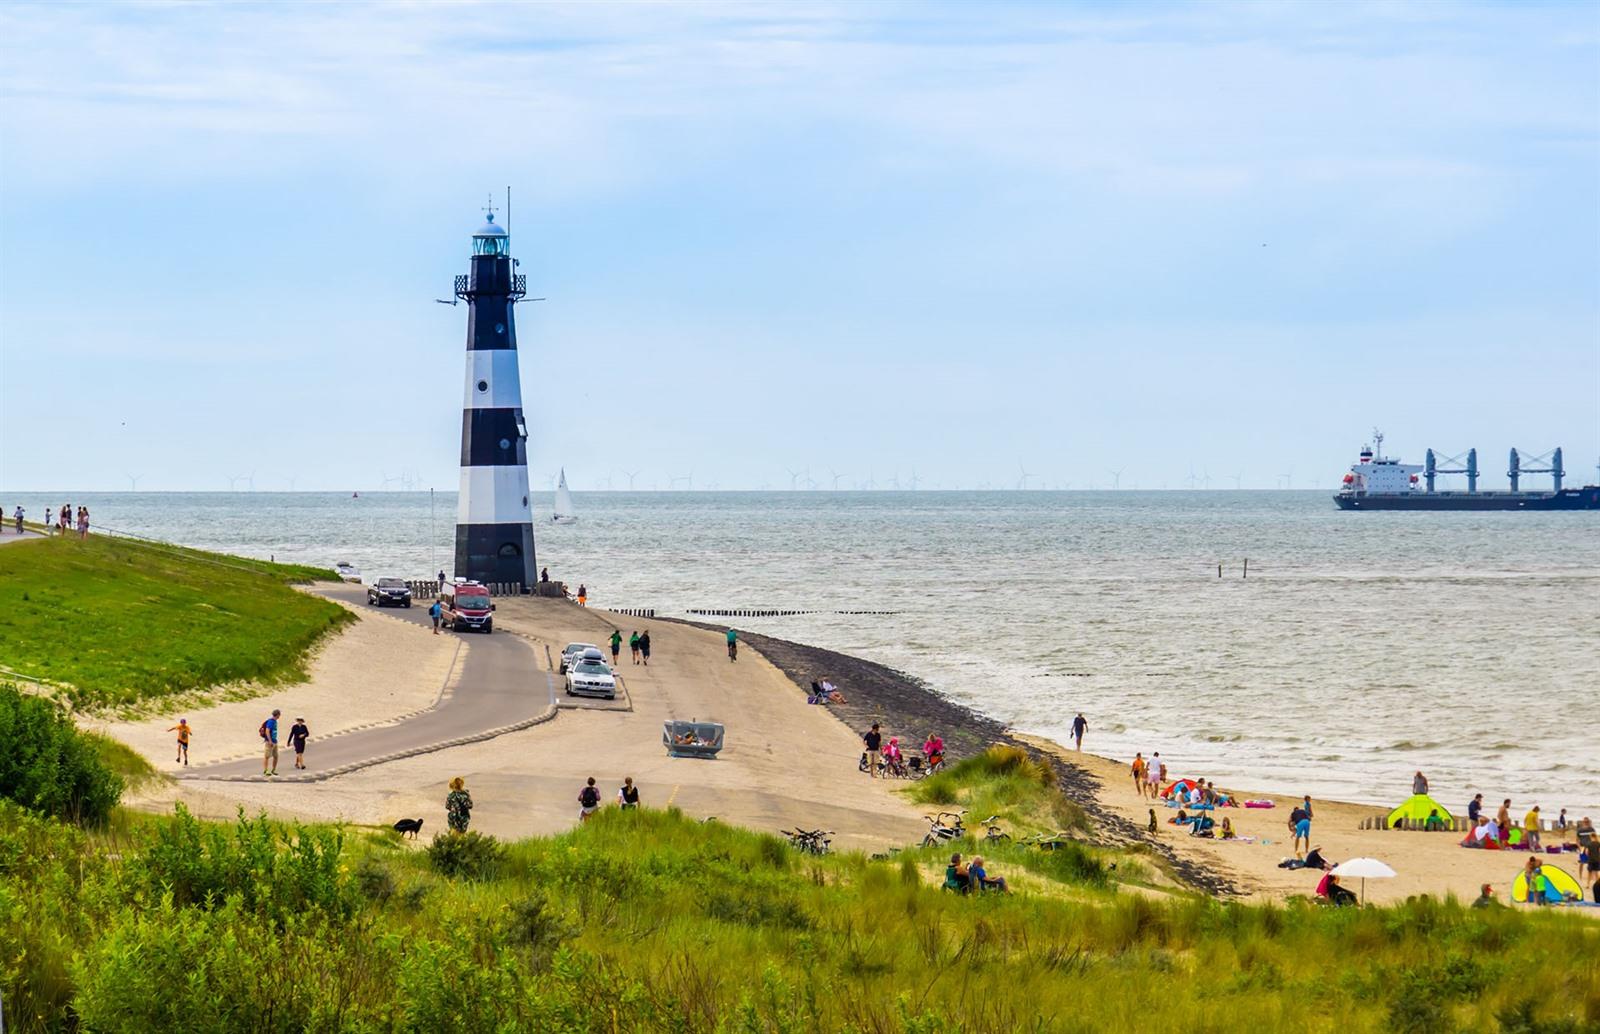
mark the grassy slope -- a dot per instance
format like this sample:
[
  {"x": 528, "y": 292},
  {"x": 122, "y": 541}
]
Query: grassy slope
[
  {"x": 116, "y": 620},
  {"x": 652, "y": 922}
]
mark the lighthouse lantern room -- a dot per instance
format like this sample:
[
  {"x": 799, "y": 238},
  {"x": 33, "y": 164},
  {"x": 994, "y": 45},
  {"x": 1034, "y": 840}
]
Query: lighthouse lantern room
[{"x": 494, "y": 526}]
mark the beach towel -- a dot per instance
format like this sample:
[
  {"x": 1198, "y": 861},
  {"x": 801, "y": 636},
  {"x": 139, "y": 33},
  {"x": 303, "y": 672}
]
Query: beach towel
[{"x": 1259, "y": 804}]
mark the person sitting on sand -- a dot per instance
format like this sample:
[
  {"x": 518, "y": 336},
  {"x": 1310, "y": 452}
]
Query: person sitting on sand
[
  {"x": 1433, "y": 821},
  {"x": 956, "y": 876},
  {"x": 1227, "y": 830},
  {"x": 831, "y": 693},
  {"x": 1485, "y": 898},
  {"x": 981, "y": 879},
  {"x": 1314, "y": 859},
  {"x": 1338, "y": 895}
]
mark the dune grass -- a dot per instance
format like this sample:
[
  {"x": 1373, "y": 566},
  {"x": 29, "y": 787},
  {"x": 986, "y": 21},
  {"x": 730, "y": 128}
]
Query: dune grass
[
  {"x": 112, "y": 621},
  {"x": 1004, "y": 781},
  {"x": 648, "y": 921}
]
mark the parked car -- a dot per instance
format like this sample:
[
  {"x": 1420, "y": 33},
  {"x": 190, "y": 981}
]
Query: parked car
[
  {"x": 591, "y": 676},
  {"x": 386, "y": 591},
  {"x": 572, "y": 652}
]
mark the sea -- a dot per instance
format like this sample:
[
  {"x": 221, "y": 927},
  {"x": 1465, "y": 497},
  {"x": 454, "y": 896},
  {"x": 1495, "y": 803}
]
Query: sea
[{"x": 1359, "y": 649}]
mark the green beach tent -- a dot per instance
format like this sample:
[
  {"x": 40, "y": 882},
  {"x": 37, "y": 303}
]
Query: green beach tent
[
  {"x": 1417, "y": 808},
  {"x": 1557, "y": 885}
]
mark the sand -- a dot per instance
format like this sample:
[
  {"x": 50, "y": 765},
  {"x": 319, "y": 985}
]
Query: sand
[
  {"x": 785, "y": 763},
  {"x": 377, "y": 670},
  {"x": 1425, "y": 863}
]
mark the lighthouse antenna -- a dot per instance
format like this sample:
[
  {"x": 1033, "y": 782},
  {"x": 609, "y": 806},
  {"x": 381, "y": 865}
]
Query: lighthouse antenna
[{"x": 508, "y": 209}]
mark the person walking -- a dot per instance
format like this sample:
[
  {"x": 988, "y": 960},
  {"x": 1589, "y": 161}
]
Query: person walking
[
  {"x": 299, "y": 732},
  {"x": 1152, "y": 774},
  {"x": 184, "y": 732},
  {"x": 441, "y": 579},
  {"x": 1079, "y": 725},
  {"x": 616, "y": 645},
  {"x": 1419, "y": 784},
  {"x": 873, "y": 739},
  {"x": 64, "y": 519},
  {"x": 19, "y": 520},
  {"x": 1300, "y": 826},
  {"x": 628, "y": 794},
  {"x": 269, "y": 744},
  {"x": 583, "y": 595},
  {"x": 733, "y": 645},
  {"x": 644, "y": 647},
  {"x": 435, "y": 612},
  {"x": 83, "y": 522},
  {"x": 588, "y": 800},
  {"x": 458, "y": 806},
  {"x": 1138, "y": 773},
  {"x": 633, "y": 645}
]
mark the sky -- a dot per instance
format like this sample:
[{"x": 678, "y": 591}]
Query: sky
[{"x": 842, "y": 244}]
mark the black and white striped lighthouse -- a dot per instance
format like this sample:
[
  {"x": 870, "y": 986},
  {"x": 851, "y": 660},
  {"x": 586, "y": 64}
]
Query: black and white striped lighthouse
[{"x": 494, "y": 526}]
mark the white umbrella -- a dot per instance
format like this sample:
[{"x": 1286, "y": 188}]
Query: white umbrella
[{"x": 1364, "y": 869}]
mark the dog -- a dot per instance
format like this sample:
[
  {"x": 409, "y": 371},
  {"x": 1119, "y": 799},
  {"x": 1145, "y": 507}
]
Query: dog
[{"x": 412, "y": 826}]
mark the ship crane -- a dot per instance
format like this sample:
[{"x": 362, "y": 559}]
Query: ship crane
[{"x": 1552, "y": 461}]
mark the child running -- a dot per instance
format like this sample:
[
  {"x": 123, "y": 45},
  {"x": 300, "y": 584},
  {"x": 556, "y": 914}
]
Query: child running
[{"x": 183, "y": 731}]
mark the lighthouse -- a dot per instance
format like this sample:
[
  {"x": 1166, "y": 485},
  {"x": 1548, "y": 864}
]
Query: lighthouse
[{"x": 494, "y": 527}]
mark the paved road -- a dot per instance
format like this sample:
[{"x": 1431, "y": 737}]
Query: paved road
[{"x": 503, "y": 685}]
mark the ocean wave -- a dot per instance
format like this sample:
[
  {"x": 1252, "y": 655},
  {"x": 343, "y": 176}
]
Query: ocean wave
[{"x": 1408, "y": 745}]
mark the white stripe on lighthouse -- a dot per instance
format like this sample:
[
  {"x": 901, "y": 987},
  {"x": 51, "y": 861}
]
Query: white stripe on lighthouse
[
  {"x": 493, "y": 495},
  {"x": 492, "y": 379}
]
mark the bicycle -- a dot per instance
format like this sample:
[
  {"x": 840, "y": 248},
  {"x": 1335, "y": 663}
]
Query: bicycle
[
  {"x": 809, "y": 841},
  {"x": 994, "y": 834},
  {"x": 939, "y": 832}
]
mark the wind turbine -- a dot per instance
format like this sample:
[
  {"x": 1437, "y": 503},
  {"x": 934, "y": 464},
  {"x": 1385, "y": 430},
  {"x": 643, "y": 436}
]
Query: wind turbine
[
  {"x": 631, "y": 475},
  {"x": 1022, "y": 482},
  {"x": 794, "y": 478},
  {"x": 914, "y": 479},
  {"x": 1238, "y": 480},
  {"x": 1288, "y": 479},
  {"x": 1116, "y": 477},
  {"x": 836, "y": 477},
  {"x": 133, "y": 482}
]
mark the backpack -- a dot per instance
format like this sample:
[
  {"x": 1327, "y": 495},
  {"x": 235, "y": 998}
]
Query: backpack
[
  {"x": 262, "y": 732},
  {"x": 589, "y": 797}
]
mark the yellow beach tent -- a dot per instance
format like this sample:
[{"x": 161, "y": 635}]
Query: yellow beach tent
[
  {"x": 1557, "y": 885},
  {"x": 1417, "y": 808}
]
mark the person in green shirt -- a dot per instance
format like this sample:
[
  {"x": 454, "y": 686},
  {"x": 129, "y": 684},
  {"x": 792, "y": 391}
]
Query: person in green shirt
[
  {"x": 733, "y": 645},
  {"x": 616, "y": 645},
  {"x": 633, "y": 644}
]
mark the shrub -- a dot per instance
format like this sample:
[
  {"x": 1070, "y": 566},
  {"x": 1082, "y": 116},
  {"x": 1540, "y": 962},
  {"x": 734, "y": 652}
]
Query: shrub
[
  {"x": 272, "y": 871},
  {"x": 470, "y": 855},
  {"x": 374, "y": 880},
  {"x": 48, "y": 765}
]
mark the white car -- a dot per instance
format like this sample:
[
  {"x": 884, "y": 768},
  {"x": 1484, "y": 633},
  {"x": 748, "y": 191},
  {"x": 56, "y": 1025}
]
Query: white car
[
  {"x": 590, "y": 676},
  {"x": 572, "y": 652}
]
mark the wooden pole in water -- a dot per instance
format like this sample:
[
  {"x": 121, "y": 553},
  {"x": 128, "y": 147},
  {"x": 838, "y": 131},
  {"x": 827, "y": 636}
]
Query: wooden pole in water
[
  {"x": 1246, "y": 568},
  {"x": 1219, "y": 570}
]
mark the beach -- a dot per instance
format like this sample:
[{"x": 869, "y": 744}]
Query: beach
[{"x": 787, "y": 763}]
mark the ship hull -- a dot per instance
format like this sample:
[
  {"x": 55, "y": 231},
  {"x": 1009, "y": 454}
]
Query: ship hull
[{"x": 1585, "y": 498}]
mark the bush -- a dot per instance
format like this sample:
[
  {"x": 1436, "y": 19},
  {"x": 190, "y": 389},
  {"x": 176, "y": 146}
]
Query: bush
[
  {"x": 272, "y": 871},
  {"x": 48, "y": 765},
  {"x": 470, "y": 855}
]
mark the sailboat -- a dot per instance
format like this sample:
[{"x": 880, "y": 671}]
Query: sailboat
[{"x": 563, "y": 514}]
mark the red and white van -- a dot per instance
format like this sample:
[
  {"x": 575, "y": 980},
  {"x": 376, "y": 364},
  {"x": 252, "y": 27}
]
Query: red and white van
[{"x": 466, "y": 606}]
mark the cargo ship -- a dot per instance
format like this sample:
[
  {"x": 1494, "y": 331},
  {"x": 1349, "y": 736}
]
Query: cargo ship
[{"x": 1379, "y": 482}]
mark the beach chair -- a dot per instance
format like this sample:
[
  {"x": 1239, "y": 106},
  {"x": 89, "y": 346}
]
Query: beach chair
[{"x": 692, "y": 739}]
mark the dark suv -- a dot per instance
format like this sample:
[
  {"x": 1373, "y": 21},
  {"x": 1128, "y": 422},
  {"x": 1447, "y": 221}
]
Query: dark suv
[{"x": 389, "y": 590}]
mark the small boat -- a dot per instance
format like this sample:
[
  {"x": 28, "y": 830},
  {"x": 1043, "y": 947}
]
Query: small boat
[
  {"x": 347, "y": 571},
  {"x": 563, "y": 513}
]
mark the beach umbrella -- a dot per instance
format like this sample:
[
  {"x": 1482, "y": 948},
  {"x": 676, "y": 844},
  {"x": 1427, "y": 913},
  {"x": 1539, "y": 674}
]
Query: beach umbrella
[{"x": 1364, "y": 869}]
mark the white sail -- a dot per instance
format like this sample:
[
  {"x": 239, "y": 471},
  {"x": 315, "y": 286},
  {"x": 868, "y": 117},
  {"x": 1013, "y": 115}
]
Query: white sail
[{"x": 564, "y": 513}]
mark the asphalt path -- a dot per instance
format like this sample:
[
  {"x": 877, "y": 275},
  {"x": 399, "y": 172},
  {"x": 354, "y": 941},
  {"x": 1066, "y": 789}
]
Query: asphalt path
[{"x": 503, "y": 685}]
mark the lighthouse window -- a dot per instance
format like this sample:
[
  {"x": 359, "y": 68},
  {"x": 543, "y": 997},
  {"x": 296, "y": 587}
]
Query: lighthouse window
[
  {"x": 505, "y": 443},
  {"x": 483, "y": 385}
]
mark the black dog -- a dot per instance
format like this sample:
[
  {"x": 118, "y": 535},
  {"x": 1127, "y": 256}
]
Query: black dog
[{"x": 412, "y": 826}]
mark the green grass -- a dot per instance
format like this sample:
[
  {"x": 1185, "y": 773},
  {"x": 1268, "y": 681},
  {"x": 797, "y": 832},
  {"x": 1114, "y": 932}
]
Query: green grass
[
  {"x": 115, "y": 621},
  {"x": 649, "y": 921},
  {"x": 122, "y": 760},
  {"x": 1002, "y": 781}
]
